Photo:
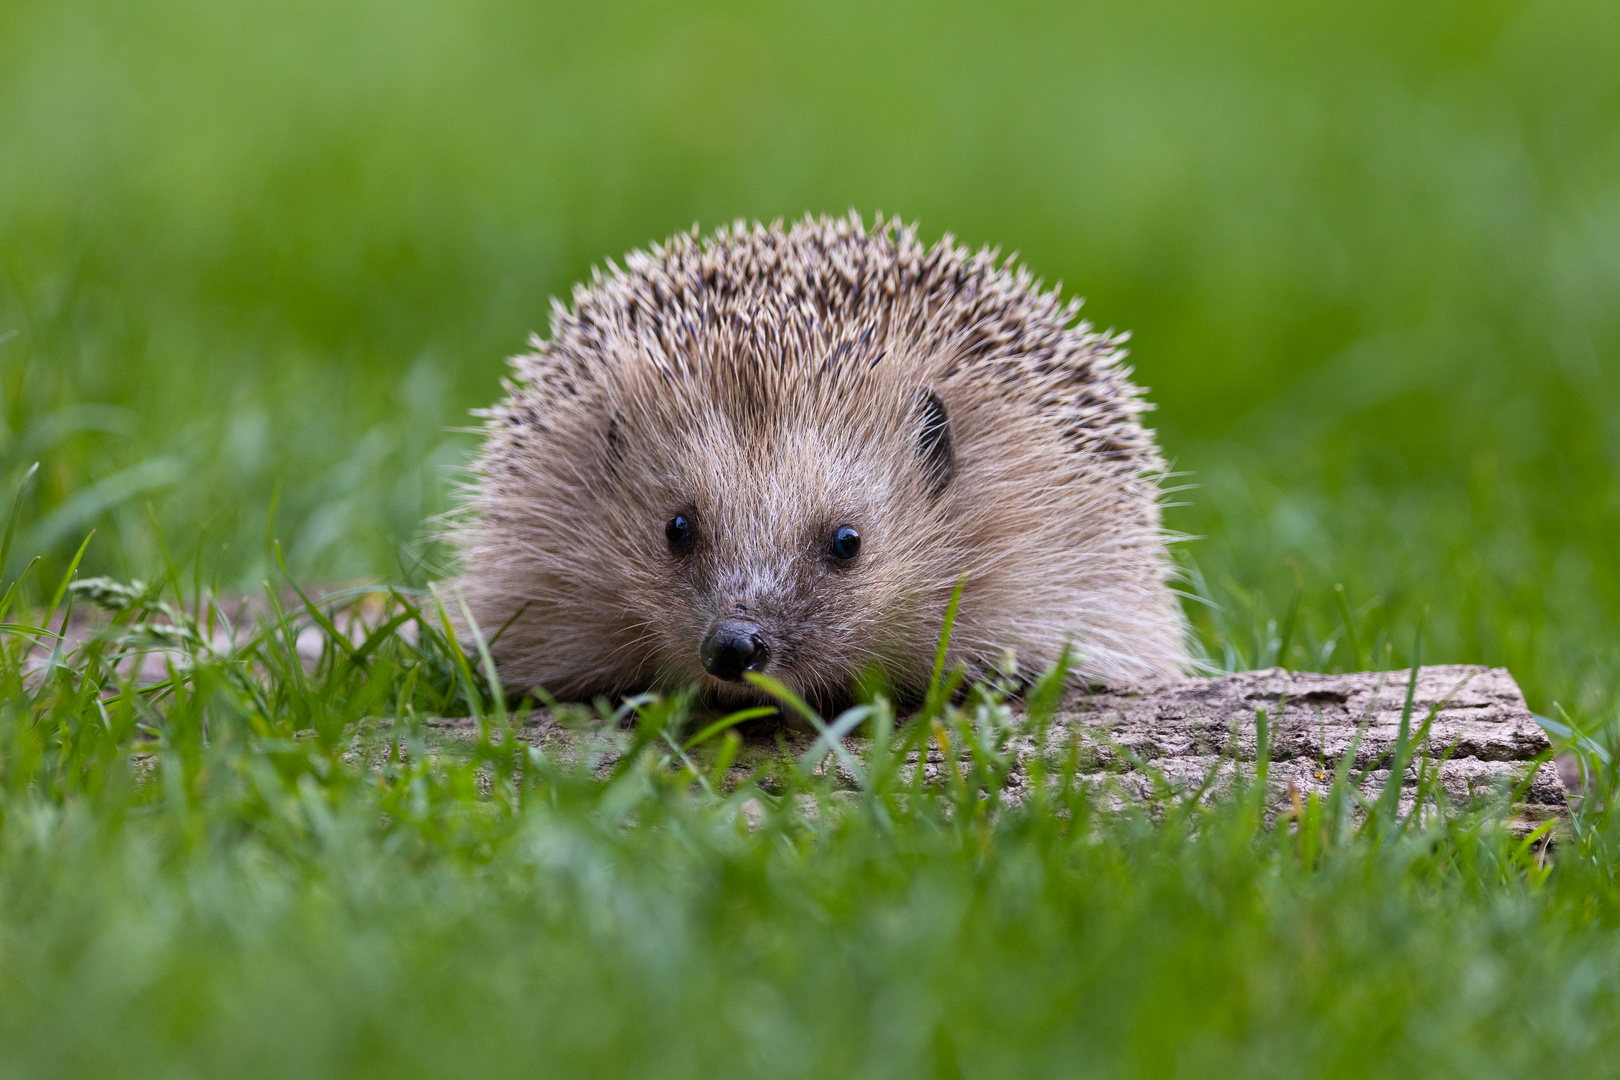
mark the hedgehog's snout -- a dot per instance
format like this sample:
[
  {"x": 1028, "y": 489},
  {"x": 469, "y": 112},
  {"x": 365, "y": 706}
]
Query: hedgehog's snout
[{"x": 733, "y": 647}]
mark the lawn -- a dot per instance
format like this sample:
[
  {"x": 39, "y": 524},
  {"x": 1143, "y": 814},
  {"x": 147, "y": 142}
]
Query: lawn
[{"x": 257, "y": 263}]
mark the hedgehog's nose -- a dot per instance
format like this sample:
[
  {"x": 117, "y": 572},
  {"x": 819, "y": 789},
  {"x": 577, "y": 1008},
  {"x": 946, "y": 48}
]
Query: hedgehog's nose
[{"x": 732, "y": 648}]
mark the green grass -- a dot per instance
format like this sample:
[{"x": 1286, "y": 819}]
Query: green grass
[
  {"x": 258, "y": 261},
  {"x": 268, "y": 887}
]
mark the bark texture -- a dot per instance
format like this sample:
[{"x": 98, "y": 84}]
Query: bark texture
[
  {"x": 1476, "y": 734},
  {"x": 1472, "y": 729}
]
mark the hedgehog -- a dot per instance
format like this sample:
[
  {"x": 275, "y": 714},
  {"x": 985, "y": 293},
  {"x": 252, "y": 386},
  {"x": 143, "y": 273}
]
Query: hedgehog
[{"x": 781, "y": 450}]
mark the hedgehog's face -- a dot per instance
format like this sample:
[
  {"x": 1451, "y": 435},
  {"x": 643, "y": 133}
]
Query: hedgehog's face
[
  {"x": 737, "y": 643},
  {"x": 798, "y": 552}
]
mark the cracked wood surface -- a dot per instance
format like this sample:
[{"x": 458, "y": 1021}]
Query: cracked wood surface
[
  {"x": 1481, "y": 739},
  {"x": 1480, "y": 734}
]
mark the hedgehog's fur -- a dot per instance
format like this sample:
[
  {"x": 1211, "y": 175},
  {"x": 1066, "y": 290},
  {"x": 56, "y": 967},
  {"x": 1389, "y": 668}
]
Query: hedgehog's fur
[{"x": 773, "y": 385}]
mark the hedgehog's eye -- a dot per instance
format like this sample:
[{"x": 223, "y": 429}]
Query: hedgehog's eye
[
  {"x": 680, "y": 534},
  {"x": 846, "y": 544}
]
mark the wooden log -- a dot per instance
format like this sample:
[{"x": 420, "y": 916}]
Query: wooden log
[
  {"x": 1472, "y": 729},
  {"x": 1476, "y": 734}
]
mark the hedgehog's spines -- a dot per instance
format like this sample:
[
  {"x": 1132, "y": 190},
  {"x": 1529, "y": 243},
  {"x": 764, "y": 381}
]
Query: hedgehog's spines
[{"x": 820, "y": 332}]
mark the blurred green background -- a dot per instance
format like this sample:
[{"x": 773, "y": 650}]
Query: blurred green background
[{"x": 1370, "y": 253}]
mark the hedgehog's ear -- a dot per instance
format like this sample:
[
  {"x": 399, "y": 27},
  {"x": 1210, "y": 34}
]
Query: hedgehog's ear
[
  {"x": 935, "y": 452},
  {"x": 614, "y": 456}
]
